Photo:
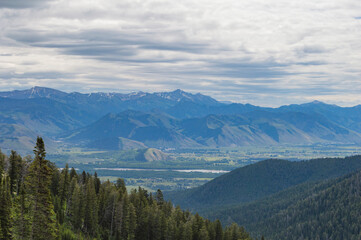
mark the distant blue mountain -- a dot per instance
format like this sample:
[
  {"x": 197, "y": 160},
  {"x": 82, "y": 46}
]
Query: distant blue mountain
[
  {"x": 168, "y": 119},
  {"x": 103, "y": 103},
  {"x": 253, "y": 128}
]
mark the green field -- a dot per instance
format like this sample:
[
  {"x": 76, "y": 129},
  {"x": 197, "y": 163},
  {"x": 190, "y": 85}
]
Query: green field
[{"x": 162, "y": 174}]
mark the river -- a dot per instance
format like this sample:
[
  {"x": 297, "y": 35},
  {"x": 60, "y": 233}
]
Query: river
[{"x": 165, "y": 170}]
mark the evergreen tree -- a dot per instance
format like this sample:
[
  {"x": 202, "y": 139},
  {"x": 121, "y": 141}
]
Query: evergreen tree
[
  {"x": 203, "y": 234},
  {"x": 22, "y": 216},
  {"x": 120, "y": 184},
  {"x": 188, "y": 232},
  {"x": 91, "y": 209},
  {"x": 55, "y": 183},
  {"x": 219, "y": 231},
  {"x": 126, "y": 224},
  {"x": 116, "y": 227},
  {"x": 83, "y": 177},
  {"x": 159, "y": 197},
  {"x": 63, "y": 193},
  {"x": 39, "y": 179},
  {"x": 73, "y": 174},
  {"x": 76, "y": 208},
  {"x": 23, "y": 168},
  {"x": 2, "y": 163},
  {"x": 197, "y": 224},
  {"x": 5, "y": 209},
  {"x": 96, "y": 183},
  {"x": 132, "y": 217},
  {"x": 14, "y": 171}
]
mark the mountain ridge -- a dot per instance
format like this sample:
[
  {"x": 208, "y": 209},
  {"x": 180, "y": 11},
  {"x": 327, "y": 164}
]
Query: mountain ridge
[
  {"x": 194, "y": 120},
  {"x": 253, "y": 128},
  {"x": 44, "y": 92},
  {"x": 39, "y": 91}
]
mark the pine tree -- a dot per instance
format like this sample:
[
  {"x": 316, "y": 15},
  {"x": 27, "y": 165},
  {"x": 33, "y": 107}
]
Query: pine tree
[
  {"x": 73, "y": 174},
  {"x": 159, "y": 197},
  {"x": 55, "y": 183},
  {"x": 211, "y": 229},
  {"x": 63, "y": 193},
  {"x": 23, "y": 168},
  {"x": 5, "y": 209},
  {"x": 83, "y": 177},
  {"x": 188, "y": 232},
  {"x": 2, "y": 163},
  {"x": 235, "y": 232},
  {"x": 219, "y": 231},
  {"x": 14, "y": 171},
  {"x": 118, "y": 218},
  {"x": 197, "y": 224},
  {"x": 132, "y": 222},
  {"x": 125, "y": 227},
  {"x": 203, "y": 234},
  {"x": 39, "y": 180},
  {"x": 91, "y": 209},
  {"x": 96, "y": 183},
  {"x": 76, "y": 208},
  {"x": 120, "y": 184},
  {"x": 22, "y": 217}
]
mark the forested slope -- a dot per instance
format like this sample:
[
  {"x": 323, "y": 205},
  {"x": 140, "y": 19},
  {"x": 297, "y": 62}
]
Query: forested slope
[
  {"x": 330, "y": 209},
  {"x": 262, "y": 179},
  {"x": 38, "y": 201}
]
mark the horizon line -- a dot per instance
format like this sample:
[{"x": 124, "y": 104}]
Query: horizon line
[{"x": 178, "y": 89}]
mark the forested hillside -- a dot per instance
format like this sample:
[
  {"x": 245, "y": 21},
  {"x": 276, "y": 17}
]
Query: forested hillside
[
  {"x": 262, "y": 179},
  {"x": 330, "y": 209},
  {"x": 39, "y": 201}
]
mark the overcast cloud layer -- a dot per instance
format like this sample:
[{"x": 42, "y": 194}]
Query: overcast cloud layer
[{"x": 267, "y": 53}]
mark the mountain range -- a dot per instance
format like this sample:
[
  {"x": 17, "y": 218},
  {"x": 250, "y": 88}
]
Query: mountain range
[{"x": 166, "y": 119}]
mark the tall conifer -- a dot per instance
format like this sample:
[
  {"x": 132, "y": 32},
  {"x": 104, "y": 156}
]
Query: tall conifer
[
  {"x": 39, "y": 180},
  {"x": 14, "y": 171},
  {"x": 5, "y": 209},
  {"x": 22, "y": 215},
  {"x": 2, "y": 163},
  {"x": 91, "y": 208}
]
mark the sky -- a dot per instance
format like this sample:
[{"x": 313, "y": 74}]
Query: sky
[{"x": 267, "y": 53}]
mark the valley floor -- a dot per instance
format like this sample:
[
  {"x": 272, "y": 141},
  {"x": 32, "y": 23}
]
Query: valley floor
[{"x": 176, "y": 172}]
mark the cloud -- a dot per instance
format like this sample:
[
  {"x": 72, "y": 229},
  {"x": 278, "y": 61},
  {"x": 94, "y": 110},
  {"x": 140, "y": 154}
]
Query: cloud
[
  {"x": 250, "y": 51},
  {"x": 21, "y": 3},
  {"x": 104, "y": 44},
  {"x": 35, "y": 75}
]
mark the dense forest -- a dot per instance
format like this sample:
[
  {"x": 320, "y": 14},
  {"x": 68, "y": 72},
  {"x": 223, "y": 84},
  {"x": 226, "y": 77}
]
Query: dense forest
[
  {"x": 262, "y": 179},
  {"x": 39, "y": 201},
  {"x": 330, "y": 209}
]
